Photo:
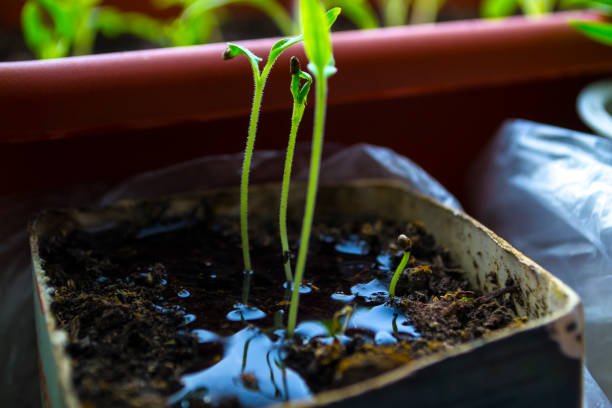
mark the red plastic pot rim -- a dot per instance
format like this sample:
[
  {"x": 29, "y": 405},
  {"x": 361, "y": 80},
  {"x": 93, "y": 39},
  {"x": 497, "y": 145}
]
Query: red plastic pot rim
[{"x": 143, "y": 89}]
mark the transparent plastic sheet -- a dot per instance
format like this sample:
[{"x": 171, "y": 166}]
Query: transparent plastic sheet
[
  {"x": 548, "y": 191},
  {"x": 361, "y": 161},
  {"x": 19, "y": 383}
]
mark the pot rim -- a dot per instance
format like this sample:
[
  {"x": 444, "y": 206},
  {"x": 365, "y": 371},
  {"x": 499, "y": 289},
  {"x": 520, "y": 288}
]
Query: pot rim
[{"x": 398, "y": 61}]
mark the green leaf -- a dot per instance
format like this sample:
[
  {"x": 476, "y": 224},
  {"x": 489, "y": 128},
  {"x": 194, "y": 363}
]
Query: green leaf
[
  {"x": 597, "y": 30},
  {"x": 498, "y": 8},
  {"x": 280, "y": 46},
  {"x": 332, "y": 15},
  {"x": 234, "y": 49},
  {"x": 299, "y": 91},
  {"x": 315, "y": 27},
  {"x": 44, "y": 41}
]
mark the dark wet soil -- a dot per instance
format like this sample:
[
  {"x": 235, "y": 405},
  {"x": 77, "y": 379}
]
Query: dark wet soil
[{"x": 156, "y": 314}]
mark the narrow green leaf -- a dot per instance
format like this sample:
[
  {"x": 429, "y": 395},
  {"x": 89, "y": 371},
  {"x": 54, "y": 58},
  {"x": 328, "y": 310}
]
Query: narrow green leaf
[
  {"x": 280, "y": 46},
  {"x": 332, "y": 15},
  {"x": 597, "y": 30},
  {"x": 234, "y": 49},
  {"x": 302, "y": 94},
  {"x": 315, "y": 27}
]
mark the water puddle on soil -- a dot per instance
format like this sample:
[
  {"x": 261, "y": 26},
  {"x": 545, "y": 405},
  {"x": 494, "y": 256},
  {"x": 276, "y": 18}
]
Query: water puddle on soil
[
  {"x": 251, "y": 367},
  {"x": 251, "y": 341}
]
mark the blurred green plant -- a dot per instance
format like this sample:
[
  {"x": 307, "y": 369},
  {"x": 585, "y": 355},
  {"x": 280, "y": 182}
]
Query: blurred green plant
[
  {"x": 506, "y": 8},
  {"x": 393, "y": 12},
  {"x": 58, "y": 28},
  {"x": 599, "y": 31}
]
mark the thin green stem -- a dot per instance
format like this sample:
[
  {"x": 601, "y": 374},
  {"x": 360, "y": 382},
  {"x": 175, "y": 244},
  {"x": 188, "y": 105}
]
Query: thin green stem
[
  {"x": 246, "y": 170},
  {"x": 425, "y": 11},
  {"x": 260, "y": 83},
  {"x": 296, "y": 118},
  {"x": 246, "y": 287},
  {"x": 395, "y": 12},
  {"x": 398, "y": 272},
  {"x": 313, "y": 182}
]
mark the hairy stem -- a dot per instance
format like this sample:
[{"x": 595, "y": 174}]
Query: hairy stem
[
  {"x": 296, "y": 118},
  {"x": 246, "y": 170},
  {"x": 260, "y": 83},
  {"x": 398, "y": 272},
  {"x": 313, "y": 182}
]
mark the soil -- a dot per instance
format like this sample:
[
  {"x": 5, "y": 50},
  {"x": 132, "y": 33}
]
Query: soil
[{"x": 155, "y": 312}]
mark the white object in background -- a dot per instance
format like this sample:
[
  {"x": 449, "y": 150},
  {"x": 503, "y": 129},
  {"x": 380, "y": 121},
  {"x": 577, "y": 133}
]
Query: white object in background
[
  {"x": 548, "y": 191},
  {"x": 595, "y": 107}
]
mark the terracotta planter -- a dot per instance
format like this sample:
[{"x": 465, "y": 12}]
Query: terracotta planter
[
  {"x": 539, "y": 364},
  {"x": 410, "y": 88}
]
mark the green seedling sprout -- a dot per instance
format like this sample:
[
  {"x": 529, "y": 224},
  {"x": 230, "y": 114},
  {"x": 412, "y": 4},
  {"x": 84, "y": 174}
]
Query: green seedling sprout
[
  {"x": 260, "y": 78},
  {"x": 317, "y": 43},
  {"x": 300, "y": 94},
  {"x": 405, "y": 244}
]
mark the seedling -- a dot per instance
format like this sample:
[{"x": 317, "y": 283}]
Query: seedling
[
  {"x": 300, "y": 94},
  {"x": 339, "y": 323},
  {"x": 405, "y": 244},
  {"x": 317, "y": 43},
  {"x": 260, "y": 78}
]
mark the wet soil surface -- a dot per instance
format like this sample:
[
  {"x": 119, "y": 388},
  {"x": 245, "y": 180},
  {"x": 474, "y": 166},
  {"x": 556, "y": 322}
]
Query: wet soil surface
[{"x": 156, "y": 314}]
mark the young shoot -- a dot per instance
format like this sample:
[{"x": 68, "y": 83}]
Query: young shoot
[
  {"x": 260, "y": 78},
  {"x": 317, "y": 43},
  {"x": 300, "y": 94},
  {"x": 405, "y": 244}
]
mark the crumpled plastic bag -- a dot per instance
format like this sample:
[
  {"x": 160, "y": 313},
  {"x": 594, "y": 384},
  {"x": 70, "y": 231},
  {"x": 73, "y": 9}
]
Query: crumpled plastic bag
[
  {"x": 361, "y": 161},
  {"x": 548, "y": 191},
  {"x": 19, "y": 383}
]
